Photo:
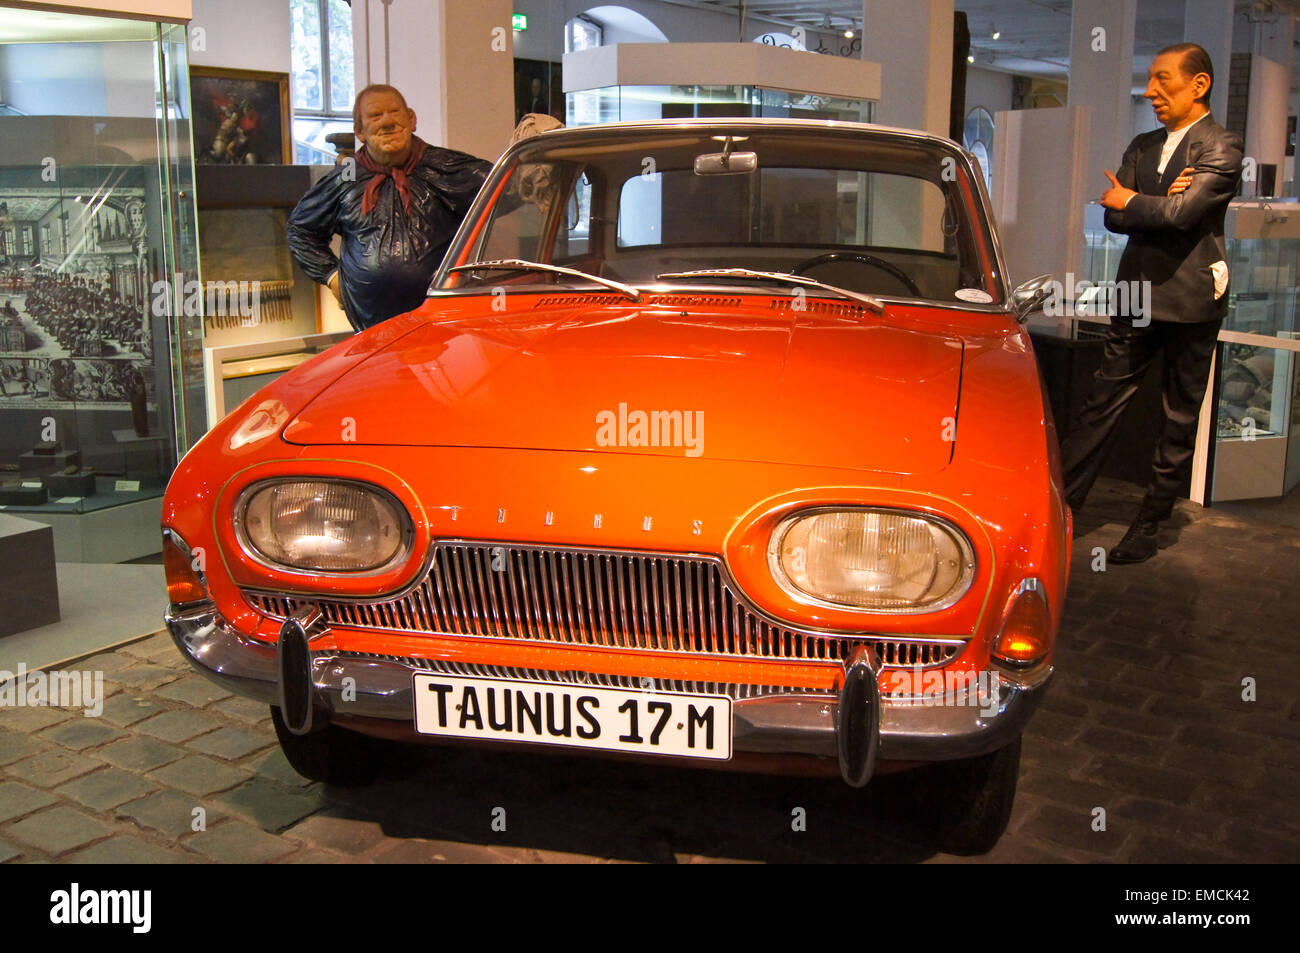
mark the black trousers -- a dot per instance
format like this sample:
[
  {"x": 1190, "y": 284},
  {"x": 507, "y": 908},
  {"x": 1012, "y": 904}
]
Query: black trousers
[{"x": 1188, "y": 350}]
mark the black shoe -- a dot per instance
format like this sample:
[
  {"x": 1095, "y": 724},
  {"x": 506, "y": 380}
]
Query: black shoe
[{"x": 1138, "y": 544}]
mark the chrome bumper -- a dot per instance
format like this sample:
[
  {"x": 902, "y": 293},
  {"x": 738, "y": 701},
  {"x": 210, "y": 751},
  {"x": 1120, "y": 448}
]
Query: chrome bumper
[{"x": 774, "y": 724}]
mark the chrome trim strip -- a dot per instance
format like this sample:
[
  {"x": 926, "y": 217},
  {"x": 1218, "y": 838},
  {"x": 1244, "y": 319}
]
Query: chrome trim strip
[{"x": 797, "y": 721}]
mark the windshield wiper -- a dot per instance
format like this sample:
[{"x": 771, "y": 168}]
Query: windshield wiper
[
  {"x": 518, "y": 264},
  {"x": 870, "y": 300}
]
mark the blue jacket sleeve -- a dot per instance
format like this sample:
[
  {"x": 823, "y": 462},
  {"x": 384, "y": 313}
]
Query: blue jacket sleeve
[{"x": 312, "y": 225}]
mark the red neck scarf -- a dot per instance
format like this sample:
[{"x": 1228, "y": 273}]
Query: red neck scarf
[{"x": 399, "y": 176}]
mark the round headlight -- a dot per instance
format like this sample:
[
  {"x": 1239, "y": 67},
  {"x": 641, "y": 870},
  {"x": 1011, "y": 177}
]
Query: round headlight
[
  {"x": 323, "y": 526},
  {"x": 874, "y": 559}
]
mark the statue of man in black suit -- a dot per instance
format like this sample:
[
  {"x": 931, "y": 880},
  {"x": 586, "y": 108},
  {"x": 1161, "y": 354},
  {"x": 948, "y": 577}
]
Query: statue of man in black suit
[{"x": 1170, "y": 197}]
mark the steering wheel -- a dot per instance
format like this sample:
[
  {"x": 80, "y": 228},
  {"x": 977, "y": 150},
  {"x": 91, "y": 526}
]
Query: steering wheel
[{"x": 880, "y": 263}]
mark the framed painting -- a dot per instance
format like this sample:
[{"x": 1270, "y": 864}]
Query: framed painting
[{"x": 241, "y": 117}]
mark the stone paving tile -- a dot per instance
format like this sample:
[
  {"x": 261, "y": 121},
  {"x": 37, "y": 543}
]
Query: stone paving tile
[
  {"x": 15, "y": 745},
  {"x": 1123, "y": 743},
  {"x": 270, "y": 806},
  {"x": 127, "y": 708},
  {"x": 193, "y": 690},
  {"x": 106, "y": 788},
  {"x": 125, "y": 849},
  {"x": 1148, "y": 814},
  {"x": 1154, "y": 781},
  {"x": 1279, "y": 784},
  {"x": 245, "y": 708},
  {"x": 1064, "y": 791},
  {"x": 1271, "y": 846},
  {"x": 18, "y": 799},
  {"x": 106, "y": 662},
  {"x": 139, "y": 754},
  {"x": 1219, "y": 766},
  {"x": 52, "y": 767},
  {"x": 8, "y": 851},
  {"x": 144, "y": 676},
  {"x": 234, "y": 842},
  {"x": 1138, "y": 722},
  {"x": 1219, "y": 738},
  {"x": 31, "y": 719},
  {"x": 81, "y": 733},
  {"x": 199, "y": 775},
  {"x": 232, "y": 743},
  {"x": 346, "y": 835},
  {"x": 1151, "y": 848},
  {"x": 1073, "y": 829},
  {"x": 318, "y": 857},
  {"x": 57, "y": 830},
  {"x": 273, "y": 766},
  {"x": 165, "y": 811},
  {"x": 179, "y": 725},
  {"x": 420, "y": 851},
  {"x": 1263, "y": 812}
]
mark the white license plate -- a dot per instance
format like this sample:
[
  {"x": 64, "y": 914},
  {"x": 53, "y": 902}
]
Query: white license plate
[{"x": 575, "y": 716}]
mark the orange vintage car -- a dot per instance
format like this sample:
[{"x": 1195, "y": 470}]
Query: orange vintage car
[{"x": 716, "y": 442}]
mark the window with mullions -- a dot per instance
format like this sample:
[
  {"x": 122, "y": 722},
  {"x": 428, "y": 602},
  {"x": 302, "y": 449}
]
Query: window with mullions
[{"x": 323, "y": 86}]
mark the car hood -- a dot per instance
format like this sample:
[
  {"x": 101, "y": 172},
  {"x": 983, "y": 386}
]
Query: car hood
[{"x": 724, "y": 384}]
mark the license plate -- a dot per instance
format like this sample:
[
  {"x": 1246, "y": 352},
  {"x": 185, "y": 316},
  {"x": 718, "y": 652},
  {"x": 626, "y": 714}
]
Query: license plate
[{"x": 574, "y": 716}]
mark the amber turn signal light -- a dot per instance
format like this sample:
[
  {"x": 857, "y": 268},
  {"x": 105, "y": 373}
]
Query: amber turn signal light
[
  {"x": 1026, "y": 636},
  {"x": 184, "y": 578}
]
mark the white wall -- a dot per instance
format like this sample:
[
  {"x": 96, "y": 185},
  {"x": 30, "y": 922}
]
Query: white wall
[
  {"x": 243, "y": 34},
  {"x": 1270, "y": 90},
  {"x": 1041, "y": 228},
  {"x": 987, "y": 88}
]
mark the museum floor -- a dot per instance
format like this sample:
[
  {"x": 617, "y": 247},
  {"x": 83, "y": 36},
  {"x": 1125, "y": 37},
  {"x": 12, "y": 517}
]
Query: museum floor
[{"x": 1145, "y": 719}]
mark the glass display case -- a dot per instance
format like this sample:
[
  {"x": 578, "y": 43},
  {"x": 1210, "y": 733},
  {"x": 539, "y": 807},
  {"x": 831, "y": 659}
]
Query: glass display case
[
  {"x": 1256, "y": 425},
  {"x": 101, "y": 381}
]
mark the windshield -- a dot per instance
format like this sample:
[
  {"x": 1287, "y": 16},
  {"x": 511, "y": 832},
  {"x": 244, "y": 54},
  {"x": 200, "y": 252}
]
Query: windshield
[{"x": 876, "y": 214}]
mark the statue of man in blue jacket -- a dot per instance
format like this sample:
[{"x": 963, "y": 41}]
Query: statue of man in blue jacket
[{"x": 397, "y": 209}]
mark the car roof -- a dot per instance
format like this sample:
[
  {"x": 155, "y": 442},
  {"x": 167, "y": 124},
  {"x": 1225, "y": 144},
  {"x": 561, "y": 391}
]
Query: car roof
[{"x": 696, "y": 122}]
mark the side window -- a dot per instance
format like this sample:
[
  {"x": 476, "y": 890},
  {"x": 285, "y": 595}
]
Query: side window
[{"x": 532, "y": 207}]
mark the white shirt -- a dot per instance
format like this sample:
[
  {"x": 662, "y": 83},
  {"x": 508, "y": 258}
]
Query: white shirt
[{"x": 1171, "y": 144}]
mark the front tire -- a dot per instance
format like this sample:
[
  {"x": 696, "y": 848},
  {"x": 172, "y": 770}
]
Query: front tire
[
  {"x": 971, "y": 799},
  {"x": 329, "y": 754}
]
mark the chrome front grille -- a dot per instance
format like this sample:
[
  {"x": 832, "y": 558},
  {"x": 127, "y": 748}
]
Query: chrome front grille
[
  {"x": 733, "y": 690},
  {"x": 658, "y": 602}
]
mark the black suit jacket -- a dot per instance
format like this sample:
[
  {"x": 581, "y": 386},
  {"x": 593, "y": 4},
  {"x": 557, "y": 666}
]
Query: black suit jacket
[{"x": 1173, "y": 239}]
